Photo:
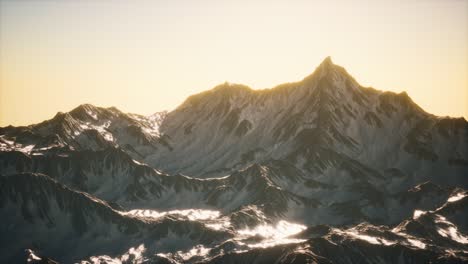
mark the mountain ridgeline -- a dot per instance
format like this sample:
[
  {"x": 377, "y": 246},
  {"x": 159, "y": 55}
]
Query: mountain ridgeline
[{"x": 317, "y": 171}]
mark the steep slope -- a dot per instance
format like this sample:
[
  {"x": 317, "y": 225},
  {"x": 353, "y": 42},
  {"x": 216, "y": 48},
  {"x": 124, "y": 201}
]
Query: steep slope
[
  {"x": 112, "y": 175},
  {"x": 38, "y": 212},
  {"x": 87, "y": 128},
  {"x": 326, "y": 124},
  {"x": 428, "y": 237},
  {"x": 276, "y": 188},
  {"x": 322, "y": 123},
  {"x": 324, "y": 143},
  {"x": 236, "y": 175}
]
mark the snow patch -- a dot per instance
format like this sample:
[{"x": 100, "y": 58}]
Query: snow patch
[
  {"x": 191, "y": 214},
  {"x": 371, "y": 239},
  {"x": 197, "y": 251},
  {"x": 92, "y": 114},
  {"x": 31, "y": 256},
  {"x": 418, "y": 213},
  {"x": 449, "y": 230},
  {"x": 456, "y": 197},
  {"x": 26, "y": 149},
  {"x": 416, "y": 243},
  {"x": 133, "y": 255},
  {"x": 274, "y": 235}
]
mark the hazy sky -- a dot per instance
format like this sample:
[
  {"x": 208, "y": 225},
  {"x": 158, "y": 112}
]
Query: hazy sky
[{"x": 147, "y": 56}]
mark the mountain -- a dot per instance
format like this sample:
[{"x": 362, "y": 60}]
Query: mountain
[
  {"x": 41, "y": 213},
  {"x": 325, "y": 119},
  {"x": 87, "y": 128},
  {"x": 320, "y": 170}
]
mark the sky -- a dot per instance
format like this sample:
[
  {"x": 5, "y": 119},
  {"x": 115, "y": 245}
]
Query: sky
[{"x": 147, "y": 56}]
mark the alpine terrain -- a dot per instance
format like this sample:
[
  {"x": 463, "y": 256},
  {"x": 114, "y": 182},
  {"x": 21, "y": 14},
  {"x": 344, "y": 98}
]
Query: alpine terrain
[{"x": 317, "y": 171}]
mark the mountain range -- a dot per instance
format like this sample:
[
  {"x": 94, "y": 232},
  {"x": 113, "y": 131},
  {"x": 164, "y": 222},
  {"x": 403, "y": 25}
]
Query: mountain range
[{"x": 322, "y": 170}]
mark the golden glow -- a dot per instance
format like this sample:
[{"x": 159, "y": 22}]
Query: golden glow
[{"x": 147, "y": 56}]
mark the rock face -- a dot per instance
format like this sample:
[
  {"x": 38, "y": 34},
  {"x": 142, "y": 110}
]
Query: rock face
[{"x": 320, "y": 170}]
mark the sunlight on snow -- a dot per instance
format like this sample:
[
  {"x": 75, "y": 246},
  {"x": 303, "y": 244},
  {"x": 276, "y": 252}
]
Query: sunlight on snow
[
  {"x": 416, "y": 243},
  {"x": 418, "y": 213},
  {"x": 32, "y": 257},
  {"x": 371, "y": 239},
  {"x": 271, "y": 235},
  {"x": 223, "y": 223},
  {"x": 449, "y": 230},
  {"x": 191, "y": 214},
  {"x": 197, "y": 251},
  {"x": 133, "y": 255},
  {"x": 282, "y": 229},
  {"x": 456, "y": 197},
  {"x": 102, "y": 129},
  {"x": 410, "y": 239},
  {"x": 274, "y": 235},
  {"x": 213, "y": 217}
]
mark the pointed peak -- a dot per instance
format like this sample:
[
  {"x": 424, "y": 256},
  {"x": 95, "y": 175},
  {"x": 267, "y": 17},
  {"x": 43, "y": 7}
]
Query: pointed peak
[
  {"x": 325, "y": 68},
  {"x": 329, "y": 70},
  {"x": 327, "y": 61},
  {"x": 326, "y": 64}
]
